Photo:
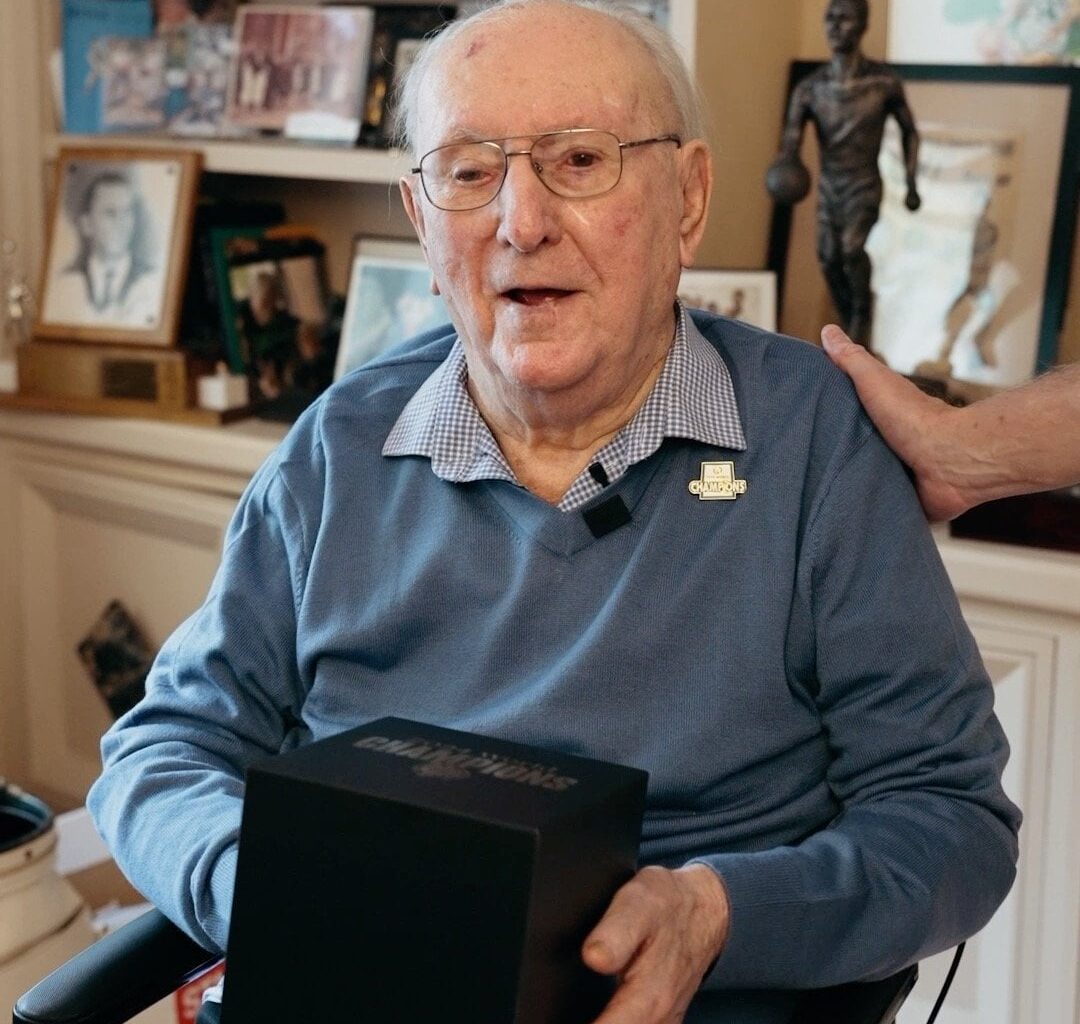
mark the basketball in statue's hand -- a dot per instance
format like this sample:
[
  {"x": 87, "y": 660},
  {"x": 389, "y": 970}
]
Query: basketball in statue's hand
[{"x": 787, "y": 179}]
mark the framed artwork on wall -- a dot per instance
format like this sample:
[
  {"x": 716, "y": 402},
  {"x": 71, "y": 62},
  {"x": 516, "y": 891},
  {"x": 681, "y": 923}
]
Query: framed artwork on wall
[
  {"x": 748, "y": 295},
  {"x": 984, "y": 32},
  {"x": 389, "y": 300},
  {"x": 969, "y": 291},
  {"x": 119, "y": 234}
]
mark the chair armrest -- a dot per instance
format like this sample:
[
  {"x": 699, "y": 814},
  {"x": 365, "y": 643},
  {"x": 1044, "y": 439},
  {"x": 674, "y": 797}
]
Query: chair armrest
[
  {"x": 863, "y": 1002},
  {"x": 117, "y": 977}
]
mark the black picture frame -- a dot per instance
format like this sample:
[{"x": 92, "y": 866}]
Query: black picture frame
[
  {"x": 400, "y": 31},
  {"x": 953, "y": 81}
]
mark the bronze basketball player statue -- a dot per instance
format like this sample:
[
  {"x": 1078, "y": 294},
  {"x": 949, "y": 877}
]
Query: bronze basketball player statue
[{"x": 849, "y": 100}]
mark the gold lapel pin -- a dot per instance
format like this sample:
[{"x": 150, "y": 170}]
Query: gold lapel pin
[{"x": 717, "y": 482}]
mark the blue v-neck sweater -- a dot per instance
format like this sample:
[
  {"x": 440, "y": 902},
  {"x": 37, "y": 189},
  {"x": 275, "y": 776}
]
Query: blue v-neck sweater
[{"x": 791, "y": 666}]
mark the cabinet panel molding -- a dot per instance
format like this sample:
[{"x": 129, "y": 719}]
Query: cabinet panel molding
[
  {"x": 87, "y": 538},
  {"x": 1023, "y": 965}
]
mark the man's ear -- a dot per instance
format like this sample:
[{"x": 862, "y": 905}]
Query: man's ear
[
  {"x": 413, "y": 210},
  {"x": 415, "y": 214},
  {"x": 696, "y": 182}
]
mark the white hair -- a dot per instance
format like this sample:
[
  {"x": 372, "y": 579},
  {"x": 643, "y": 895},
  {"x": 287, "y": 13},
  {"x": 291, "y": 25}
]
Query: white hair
[{"x": 685, "y": 98}]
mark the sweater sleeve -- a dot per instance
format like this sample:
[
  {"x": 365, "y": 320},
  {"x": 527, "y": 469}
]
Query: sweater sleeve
[
  {"x": 923, "y": 848},
  {"x": 222, "y": 691}
]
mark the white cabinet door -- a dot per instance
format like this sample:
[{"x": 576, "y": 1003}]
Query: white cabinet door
[
  {"x": 1023, "y": 966},
  {"x": 84, "y": 537}
]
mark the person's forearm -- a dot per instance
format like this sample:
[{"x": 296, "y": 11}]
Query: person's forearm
[{"x": 1016, "y": 442}]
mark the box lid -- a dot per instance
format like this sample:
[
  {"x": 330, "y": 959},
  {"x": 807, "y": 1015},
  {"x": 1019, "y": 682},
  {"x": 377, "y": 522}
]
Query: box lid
[{"x": 457, "y": 772}]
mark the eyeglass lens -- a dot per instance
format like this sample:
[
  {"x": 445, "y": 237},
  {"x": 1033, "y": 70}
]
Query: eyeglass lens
[{"x": 573, "y": 164}]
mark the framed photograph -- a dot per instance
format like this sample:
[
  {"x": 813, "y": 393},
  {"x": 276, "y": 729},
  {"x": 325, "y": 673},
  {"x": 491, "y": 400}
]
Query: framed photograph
[
  {"x": 984, "y": 32},
  {"x": 119, "y": 235},
  {"x": 300, "y": 71},
  {"x": 169, "y": 14},
  {"x": 133, "y": 90},
  {"x": 389, "y": 300},
  {"x": 748, "y": 295},
  {"x": 970, "y": 290},
  {"x": 197, "y": 73},
  {"x": 399, "y": 33},
  {"x": 84, "y": 27},
  {"x": 276, "y": 298},
  {"x": 117, "y": 656}
]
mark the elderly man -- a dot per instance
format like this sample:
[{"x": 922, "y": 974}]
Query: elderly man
[{"x": 508, "y": 527}]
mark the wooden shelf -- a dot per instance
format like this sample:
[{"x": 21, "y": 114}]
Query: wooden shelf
[
  {"x": 264, "y": 157},
  {"x": 128, "y": 407}
]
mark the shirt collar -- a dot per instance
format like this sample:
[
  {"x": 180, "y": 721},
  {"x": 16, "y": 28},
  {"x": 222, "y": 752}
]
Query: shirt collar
[
  {"x": 116, "y": 270},
  {"x": 693, "y": 398}
]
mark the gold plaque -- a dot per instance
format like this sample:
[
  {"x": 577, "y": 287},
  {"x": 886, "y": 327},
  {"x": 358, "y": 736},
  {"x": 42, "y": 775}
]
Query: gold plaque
[{"x": 717, "y": 482}]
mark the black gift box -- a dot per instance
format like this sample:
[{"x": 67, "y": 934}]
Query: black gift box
[{"x": 401, "y": 872}]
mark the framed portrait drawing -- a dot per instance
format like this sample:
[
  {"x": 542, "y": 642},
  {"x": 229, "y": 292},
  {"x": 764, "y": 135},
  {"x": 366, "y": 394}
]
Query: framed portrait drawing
[
  {"x": 969, "y": 291},
  {"x": 119, "y": 235},
  {"x": 389, "y": 300},
  {"x": 748, "y": 295}
]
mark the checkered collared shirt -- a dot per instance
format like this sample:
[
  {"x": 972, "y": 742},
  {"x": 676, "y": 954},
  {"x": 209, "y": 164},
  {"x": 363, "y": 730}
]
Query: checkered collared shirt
[{"x": 693, "y": 398}]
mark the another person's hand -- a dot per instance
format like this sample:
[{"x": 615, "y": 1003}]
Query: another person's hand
[
  {"x": 920, "y": 429},
  {"x": 660, "y": 935}
]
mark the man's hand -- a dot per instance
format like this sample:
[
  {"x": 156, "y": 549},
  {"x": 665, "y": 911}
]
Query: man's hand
[
  {"x": 920, "y": 429},
  {"x": 660, "y": 935}
]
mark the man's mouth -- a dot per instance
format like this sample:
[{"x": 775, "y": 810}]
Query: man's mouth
[{"x": 535, "y": 296}]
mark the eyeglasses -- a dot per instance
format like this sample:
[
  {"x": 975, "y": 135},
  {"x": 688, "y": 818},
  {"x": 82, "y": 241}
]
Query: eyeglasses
[{"x": 576, "y": 163}]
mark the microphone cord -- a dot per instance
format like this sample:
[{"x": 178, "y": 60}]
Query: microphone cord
[{"x": 945, "y": 985}]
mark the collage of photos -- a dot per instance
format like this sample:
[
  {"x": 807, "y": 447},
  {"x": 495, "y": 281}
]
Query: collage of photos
[{"x": 219, "y": 68}]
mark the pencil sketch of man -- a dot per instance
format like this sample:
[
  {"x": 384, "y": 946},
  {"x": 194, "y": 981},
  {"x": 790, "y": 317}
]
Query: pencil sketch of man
[
  {"x": 110, "y": 280},
  {"x": 849, "y": 100}
]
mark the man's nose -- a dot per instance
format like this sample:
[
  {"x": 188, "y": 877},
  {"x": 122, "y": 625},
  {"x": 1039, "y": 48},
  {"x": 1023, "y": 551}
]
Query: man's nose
[{"x": 528, "y": 214}]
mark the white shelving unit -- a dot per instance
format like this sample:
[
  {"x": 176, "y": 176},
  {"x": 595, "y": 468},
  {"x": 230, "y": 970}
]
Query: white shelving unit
[{"x": 265, "y": 158}]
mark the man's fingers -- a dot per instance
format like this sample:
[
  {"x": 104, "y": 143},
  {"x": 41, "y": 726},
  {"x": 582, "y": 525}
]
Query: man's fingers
[
  {"x": 916, "y": 426},
  {"x": 851, "y": 358},
  {"x": 660, "y": 933},
  {"x": 611, "y": 945},
  {"x": 893, "y": 402},
  {"x": 637, "y": 1002},
  {"x": 872, "y": 379}
]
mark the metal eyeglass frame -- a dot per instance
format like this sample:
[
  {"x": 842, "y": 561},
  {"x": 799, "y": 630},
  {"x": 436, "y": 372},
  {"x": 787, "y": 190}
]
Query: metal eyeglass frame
[{"x": 506, "y": 154}]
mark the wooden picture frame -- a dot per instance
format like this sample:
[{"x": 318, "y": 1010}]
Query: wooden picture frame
[
  {"x": 389, "y": 300},
  {"x": 1028, "y": 121},
  {"x": 117, "y": 249},
  {"x": 747, "y": 295}
]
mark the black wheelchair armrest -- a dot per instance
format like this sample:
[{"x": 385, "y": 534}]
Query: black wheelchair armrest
[
  {"x": 117, "y": 977},
  {"x": 864, "y": 1002}
]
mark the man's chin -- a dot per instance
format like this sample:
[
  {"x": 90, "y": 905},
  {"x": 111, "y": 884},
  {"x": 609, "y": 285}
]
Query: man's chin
[{"x": 542, "y": 365}]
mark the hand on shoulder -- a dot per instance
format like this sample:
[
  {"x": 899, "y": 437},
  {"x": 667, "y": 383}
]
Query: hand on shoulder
[{"x": 923, "y": 431}]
